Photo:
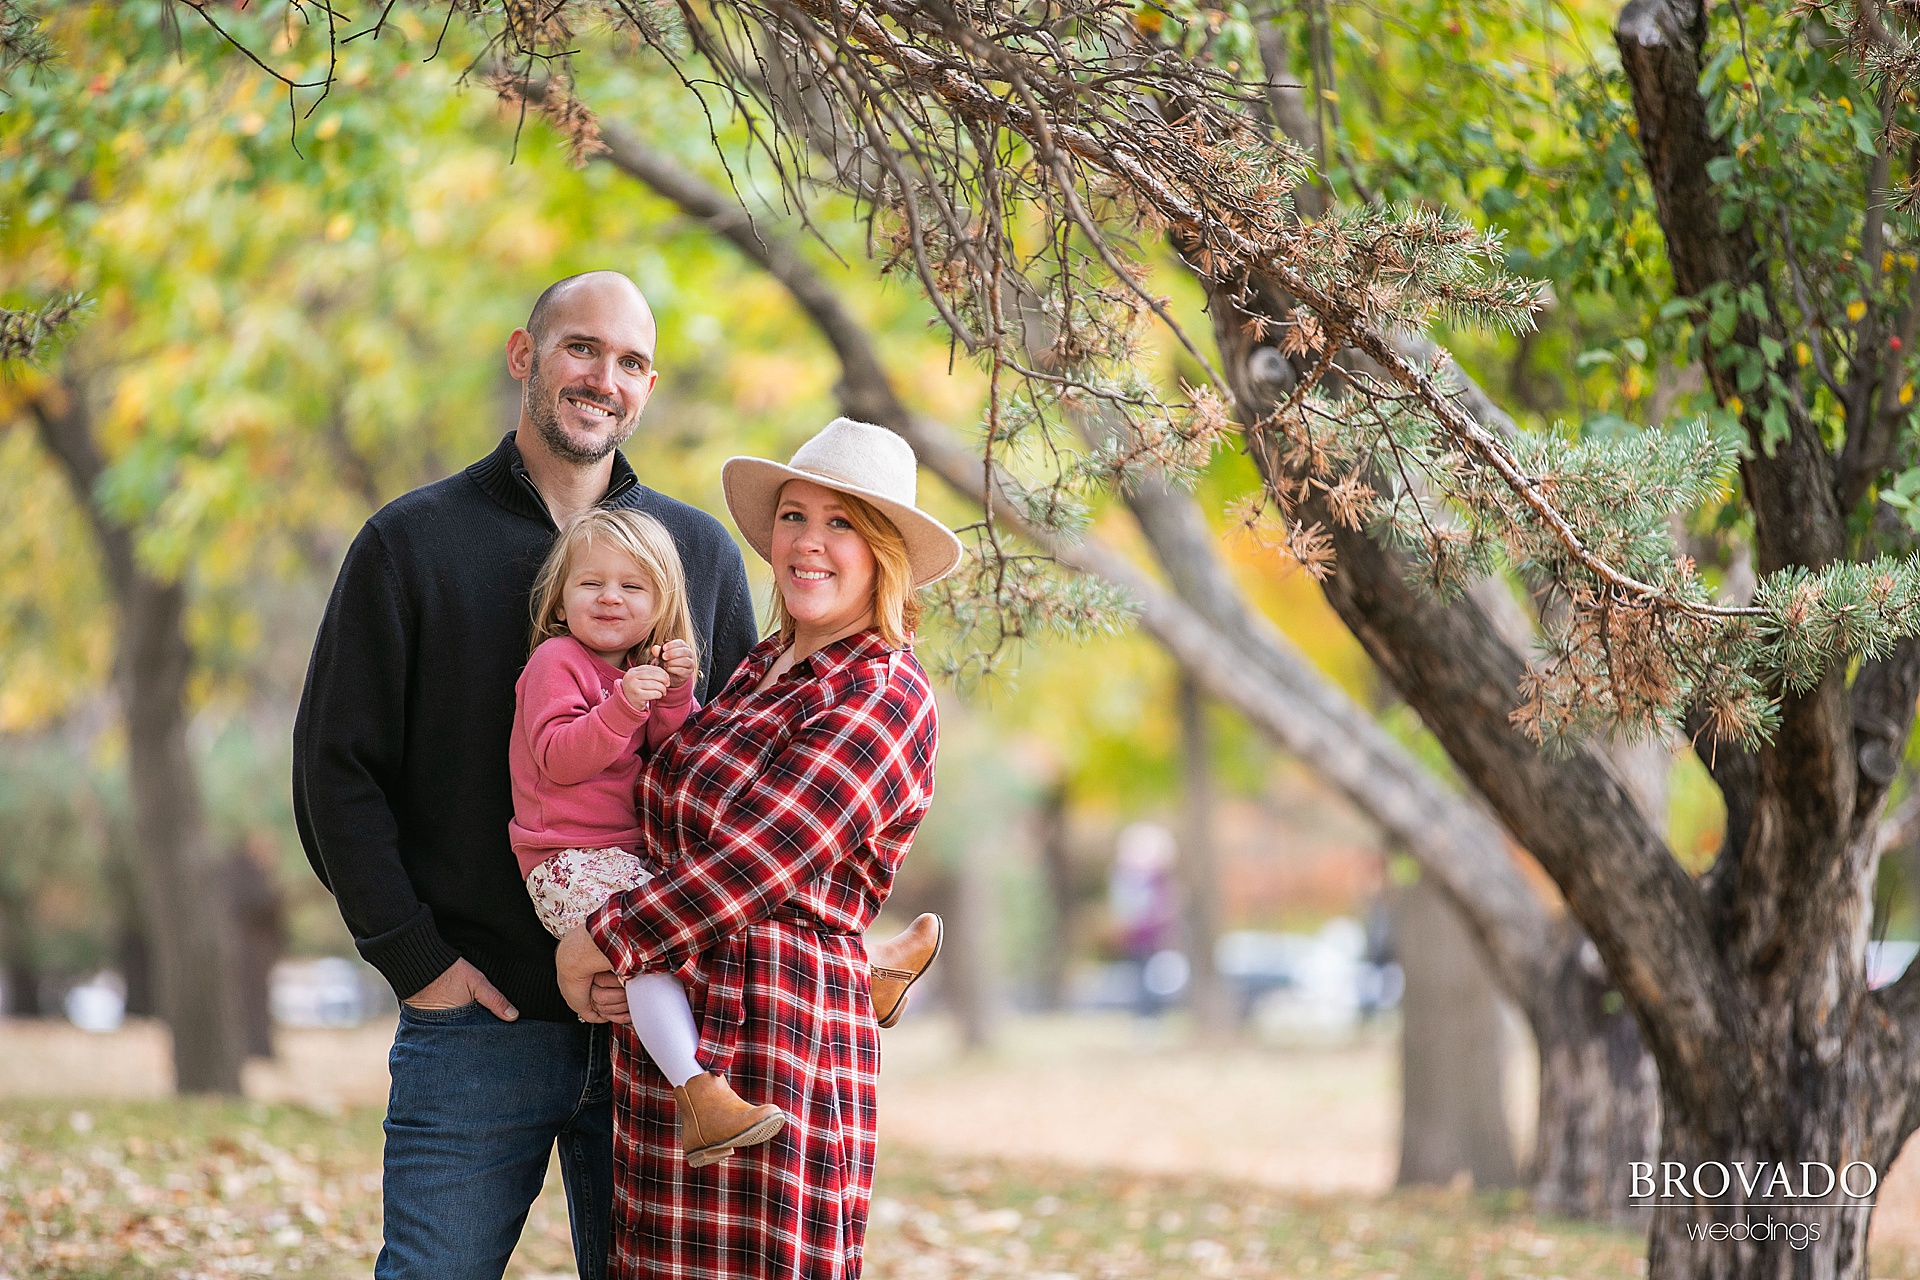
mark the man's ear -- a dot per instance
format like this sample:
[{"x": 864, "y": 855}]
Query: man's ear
[{"x": 519, "y": 354}]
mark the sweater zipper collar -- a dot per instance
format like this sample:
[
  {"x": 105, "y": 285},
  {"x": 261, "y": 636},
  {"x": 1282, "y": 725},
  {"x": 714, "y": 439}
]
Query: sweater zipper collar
[{"x": 504, "y": 476}]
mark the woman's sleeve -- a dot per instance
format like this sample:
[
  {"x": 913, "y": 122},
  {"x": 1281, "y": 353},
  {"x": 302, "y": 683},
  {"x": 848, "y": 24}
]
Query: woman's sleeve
[
  {"x": 667, "y": 713},
  {"x": 857, "y": 768},
  {"x": 573, "y": 738}
]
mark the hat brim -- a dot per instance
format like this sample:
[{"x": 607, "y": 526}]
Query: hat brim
[{"x": 752, "y": 487}]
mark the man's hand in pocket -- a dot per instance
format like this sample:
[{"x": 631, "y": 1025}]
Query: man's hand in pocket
[{"x": 463, "y": 984}]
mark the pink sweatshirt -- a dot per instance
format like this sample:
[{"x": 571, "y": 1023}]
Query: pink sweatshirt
[{"x": 575, "y": 752}]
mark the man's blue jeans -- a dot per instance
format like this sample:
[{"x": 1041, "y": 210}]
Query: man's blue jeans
[{"x": 476, "y": 1106}]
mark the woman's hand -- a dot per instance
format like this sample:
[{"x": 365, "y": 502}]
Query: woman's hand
[{"x": 576, "y": 962}]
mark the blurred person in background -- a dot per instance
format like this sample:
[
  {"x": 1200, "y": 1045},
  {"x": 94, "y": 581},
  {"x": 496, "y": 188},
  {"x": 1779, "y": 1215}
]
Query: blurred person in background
[
  {"x": 1143, "y": 898},
  {"x": 402, "y": 795}
]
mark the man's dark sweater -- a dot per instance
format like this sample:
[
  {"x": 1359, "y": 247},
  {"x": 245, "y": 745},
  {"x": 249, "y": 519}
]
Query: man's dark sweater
[{"x": 400, "y": 784}]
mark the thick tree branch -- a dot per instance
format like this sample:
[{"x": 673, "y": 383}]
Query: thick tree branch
[
  {"x": 836, "y": 31},
  {"x": 1451, "y": 665},
  {"x": 1789, "y": 483},
  {"x": 1208, "y": 628},
  {"x": 1793, "y": 898}
]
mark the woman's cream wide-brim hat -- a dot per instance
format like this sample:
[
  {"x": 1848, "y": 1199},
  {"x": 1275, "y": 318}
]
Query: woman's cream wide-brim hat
[{"x": 859, "y": 458}]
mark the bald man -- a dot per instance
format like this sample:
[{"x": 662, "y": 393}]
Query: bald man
[{"x": 401, "y": 792}]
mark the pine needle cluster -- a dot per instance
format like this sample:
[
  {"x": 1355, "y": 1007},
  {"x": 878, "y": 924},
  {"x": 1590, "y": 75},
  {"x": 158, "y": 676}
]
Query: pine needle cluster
[
  {"x": 998, "y": 599},
  {"x": 26, "y": 335},
  {"x": 23, "y": 39}
]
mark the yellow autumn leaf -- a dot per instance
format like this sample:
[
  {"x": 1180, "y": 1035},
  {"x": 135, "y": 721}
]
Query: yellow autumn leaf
[
  {"x": 1802, "y": 353},
  {"x": 1906, "y": 393},
  {"x": 1855, "y": 310},
  {"x": 1736, "y": 406}
]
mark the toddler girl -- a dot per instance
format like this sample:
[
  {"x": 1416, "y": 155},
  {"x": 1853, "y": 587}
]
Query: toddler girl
[{"x": 611, "y": 677}]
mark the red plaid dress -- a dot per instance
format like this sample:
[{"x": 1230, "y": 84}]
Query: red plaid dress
[{"x": 777, "y": 821}]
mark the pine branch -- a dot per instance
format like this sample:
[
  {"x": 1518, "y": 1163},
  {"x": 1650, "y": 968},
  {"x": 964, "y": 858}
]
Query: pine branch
[{"x": 28, "y": 335}]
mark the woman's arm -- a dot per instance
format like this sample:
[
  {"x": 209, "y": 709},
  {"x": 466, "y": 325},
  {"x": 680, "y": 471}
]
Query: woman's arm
[
  {"x": 668, "y": 713},
  {"x": 859, "y": 767},
  {"x": 572, "y": 733}
]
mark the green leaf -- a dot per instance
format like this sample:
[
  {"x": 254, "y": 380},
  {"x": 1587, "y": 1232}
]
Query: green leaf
[{"x": 1863, "y": 140}]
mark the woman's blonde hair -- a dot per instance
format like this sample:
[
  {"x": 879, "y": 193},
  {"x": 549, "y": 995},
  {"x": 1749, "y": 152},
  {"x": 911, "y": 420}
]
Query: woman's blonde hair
[
  {"x": 651, "y": 546},
  {"x": 896, "y": 609}
]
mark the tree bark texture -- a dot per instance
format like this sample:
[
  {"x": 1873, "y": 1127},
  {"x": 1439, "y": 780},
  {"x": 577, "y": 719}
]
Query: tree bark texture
[
  {"x": 179, "y": 882},
  {"x": 1599, "y": 1107},
  {"x": 1453, "y": 1117},
  {"x": 1205, "y": 623}
]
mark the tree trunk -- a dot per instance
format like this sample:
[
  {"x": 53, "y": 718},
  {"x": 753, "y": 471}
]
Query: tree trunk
[
  {"x": 21, "y": 964},
  {"x": 1852, "y": 1110},
  {"x": 260, "y": 923},
  {"x": 1056, "y": 870},
  {"x": 133, "y": 946},
  {"x": 179, "y": 879},
  {"x": 968, "y": 975},
  {"x": 1200, "y": 870},
  {"x": 1599, "y": 1093},
  {"x": 1453, "y": 1116}
]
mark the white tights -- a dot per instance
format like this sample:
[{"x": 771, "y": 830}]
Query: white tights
[{"x": 663, "y": 1020}]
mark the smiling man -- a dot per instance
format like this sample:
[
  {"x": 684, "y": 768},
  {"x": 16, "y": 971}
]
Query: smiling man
[{"x": 402, "y": 793}]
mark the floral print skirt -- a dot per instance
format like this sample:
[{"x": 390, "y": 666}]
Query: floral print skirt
[{"x": 574, "y": 883}]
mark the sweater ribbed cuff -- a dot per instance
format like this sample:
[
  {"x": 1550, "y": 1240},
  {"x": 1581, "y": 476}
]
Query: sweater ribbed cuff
[
  {"x": 409, "y": 957},
  {"x": 621, "y": 716}
]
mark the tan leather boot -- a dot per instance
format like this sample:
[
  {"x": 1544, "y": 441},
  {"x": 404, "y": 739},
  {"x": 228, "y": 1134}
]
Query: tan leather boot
[
  {"x": 897, "y": 964},
  {"x": 714, "y": 1120}
]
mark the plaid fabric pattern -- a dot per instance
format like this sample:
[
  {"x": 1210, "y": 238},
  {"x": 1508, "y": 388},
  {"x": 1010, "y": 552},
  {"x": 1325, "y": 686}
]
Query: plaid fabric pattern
[{"x": 776, "y": 822}]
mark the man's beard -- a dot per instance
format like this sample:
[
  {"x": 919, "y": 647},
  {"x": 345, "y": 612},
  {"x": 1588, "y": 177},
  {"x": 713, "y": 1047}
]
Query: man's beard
[{"x": 544, "y": 409}]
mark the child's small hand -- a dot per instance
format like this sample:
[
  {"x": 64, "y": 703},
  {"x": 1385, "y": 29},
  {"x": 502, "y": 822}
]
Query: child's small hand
[
  {"x": 643, "y": 684},
  {"x": 677, "y": 657}
]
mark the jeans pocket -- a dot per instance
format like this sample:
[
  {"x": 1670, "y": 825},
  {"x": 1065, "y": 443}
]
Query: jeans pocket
[{"x": 444, "y": 1017}]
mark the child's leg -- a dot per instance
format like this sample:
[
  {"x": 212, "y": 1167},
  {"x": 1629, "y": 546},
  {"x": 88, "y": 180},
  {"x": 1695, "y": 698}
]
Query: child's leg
[{"x": 663, "y": 1020}]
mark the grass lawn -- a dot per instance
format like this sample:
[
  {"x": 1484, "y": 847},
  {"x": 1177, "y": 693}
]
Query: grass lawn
[{"x": 196, "y": 1188}]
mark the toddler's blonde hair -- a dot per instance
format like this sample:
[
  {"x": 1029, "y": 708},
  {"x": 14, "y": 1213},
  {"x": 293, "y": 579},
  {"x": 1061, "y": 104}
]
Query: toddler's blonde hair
[{"x": 643, "y": 538}]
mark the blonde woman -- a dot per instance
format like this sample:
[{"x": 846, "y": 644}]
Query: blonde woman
[{"x": 781, "y": 812}]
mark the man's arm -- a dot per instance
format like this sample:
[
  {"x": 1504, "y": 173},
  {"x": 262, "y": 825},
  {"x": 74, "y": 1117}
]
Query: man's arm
[{"x": 348, "y": 744}]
